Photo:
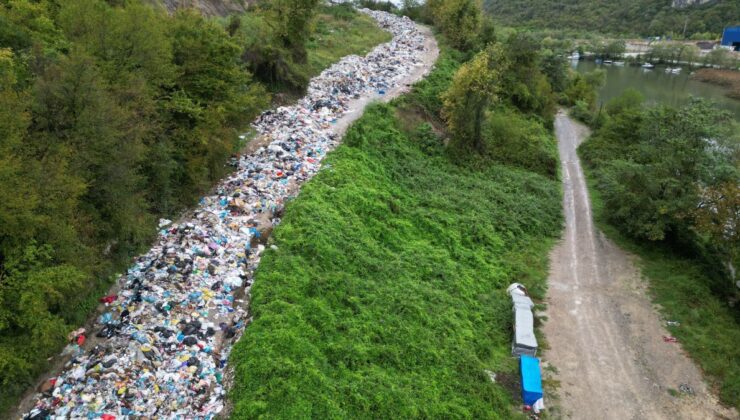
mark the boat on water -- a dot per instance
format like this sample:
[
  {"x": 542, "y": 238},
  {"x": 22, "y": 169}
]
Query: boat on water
[
  {"x": 648, "y": 66},
  {"x": 608, "y": 62},
  {"x": 674, "y": 70},
  {"x": 619, "y": 63}
]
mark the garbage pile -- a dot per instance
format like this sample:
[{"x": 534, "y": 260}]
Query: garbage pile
[{"x": 160, "y": 348}]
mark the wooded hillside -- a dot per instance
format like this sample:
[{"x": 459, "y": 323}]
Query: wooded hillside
[{"x": 632, "y": 17}]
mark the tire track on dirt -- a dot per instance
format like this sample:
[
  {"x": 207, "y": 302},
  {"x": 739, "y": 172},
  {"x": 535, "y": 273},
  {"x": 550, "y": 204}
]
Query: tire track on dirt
[{"x": 605, "y": 335}]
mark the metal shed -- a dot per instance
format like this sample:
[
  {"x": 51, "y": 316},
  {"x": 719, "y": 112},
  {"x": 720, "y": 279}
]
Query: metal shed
[{"x": 731, "y": 37}]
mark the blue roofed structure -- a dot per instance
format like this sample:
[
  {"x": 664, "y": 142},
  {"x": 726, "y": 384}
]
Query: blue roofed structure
[
  {"x": 731, "y": 37},
  {"x": 531, "y": 379}
]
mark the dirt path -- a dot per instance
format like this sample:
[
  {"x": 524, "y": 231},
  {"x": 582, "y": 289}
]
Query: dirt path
[{"x": 605, "y": 336}]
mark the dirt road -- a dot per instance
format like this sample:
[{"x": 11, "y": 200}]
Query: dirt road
[{"x": 605, "y": 336}]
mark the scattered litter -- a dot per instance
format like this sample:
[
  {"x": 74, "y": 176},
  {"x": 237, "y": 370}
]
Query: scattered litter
[
  {"x": 524, "y": 341},
  {"x": 670, "y": 339},
  {"x": 161, "y": 346},
  {"x": 673, "y": 323},
  {"x": 491, "y": 375},
  {"x": 74, "y": 334},
  {"x": 529, "y": 368},
  {"x": 686, "y": 389}
]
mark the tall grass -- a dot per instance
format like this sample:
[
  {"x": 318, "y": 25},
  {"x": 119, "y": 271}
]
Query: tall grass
[{"x": 385, "y": 297}]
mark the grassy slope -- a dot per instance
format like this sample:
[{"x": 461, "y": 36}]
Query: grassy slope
[
  {"x": 709, "y": 331},
  {"x": 360, "y": 35},
  {"x": 386, "y": 295},
  {"x": 335, "y": 37}
]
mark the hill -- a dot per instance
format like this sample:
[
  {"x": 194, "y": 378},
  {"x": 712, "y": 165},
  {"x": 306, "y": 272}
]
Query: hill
[
  {"x": 207, "y": 7},
  {"x": 632, "y": 17}
]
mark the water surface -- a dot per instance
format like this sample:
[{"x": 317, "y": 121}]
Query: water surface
[{"x": 658, "y": 86}]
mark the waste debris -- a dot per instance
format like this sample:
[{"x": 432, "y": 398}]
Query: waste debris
[
  {"x": 686, "y": 389},
  {"x": 160, "y": 348},
  {"x": 524, "y": 341}
]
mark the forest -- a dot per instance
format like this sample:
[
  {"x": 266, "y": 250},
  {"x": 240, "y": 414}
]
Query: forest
[
  {"x": 114, "y": 114},
  {"x": 628, "y": 18}
]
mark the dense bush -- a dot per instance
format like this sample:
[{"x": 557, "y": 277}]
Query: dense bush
[
  {"x": 511, "y": 138},
  {"x": 386, "y": 294},
  {"x": 662, "y": 172},
  {"x": 459, "y": 20}
]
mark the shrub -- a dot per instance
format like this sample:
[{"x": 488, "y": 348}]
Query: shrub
[{"x": 512, "y": 139}]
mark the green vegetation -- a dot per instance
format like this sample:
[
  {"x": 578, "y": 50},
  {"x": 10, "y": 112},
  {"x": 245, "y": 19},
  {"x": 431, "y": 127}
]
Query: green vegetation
[
  {"x": 470, "y": 94},
  {"x": 113, "y": 114},
  {"x": 631, "y": 17},
  {"x": 459, "y": 20},
  {"x": 512, "y": 75},
  {"x": 385, "y": 293},
  {"x": 340, "y": 31},
  {"x": 669, "y": 179}
]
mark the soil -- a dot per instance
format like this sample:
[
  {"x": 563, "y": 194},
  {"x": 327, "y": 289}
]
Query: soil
[{"x": 605, "y": 336}]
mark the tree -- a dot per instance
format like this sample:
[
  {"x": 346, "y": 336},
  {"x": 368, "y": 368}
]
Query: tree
[
  {"x": 583, "y": 87},
  {"x": 655, "y": 180},
  {"x": 717, "y": 217},
  {"x": 460, "y": 20},
  {"x": 212, "y": 93},
  {"x": 555, "y": 67},
  {"x": 524, "y": 83},
  {"x": 473, "y": 88},
  {"x": 16, "y": 208},
  {"x": 718, "y": 57},
  {"x": 291, "y": 21},
  {"x": 74, "y": 110}
]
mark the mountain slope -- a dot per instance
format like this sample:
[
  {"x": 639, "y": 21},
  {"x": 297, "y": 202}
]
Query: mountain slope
[{"x": 635, "y": 17}]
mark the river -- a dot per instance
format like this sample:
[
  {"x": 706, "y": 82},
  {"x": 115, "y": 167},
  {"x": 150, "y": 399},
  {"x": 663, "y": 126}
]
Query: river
[{"x": 658, "y": 86}]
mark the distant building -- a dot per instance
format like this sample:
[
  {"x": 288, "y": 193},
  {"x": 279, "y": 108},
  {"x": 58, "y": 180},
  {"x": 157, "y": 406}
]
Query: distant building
[{"x": 731, "y": 38}]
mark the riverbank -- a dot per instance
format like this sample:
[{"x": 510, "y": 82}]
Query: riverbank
[
  {"x": 726, "y": 78},
  {"x": 658, "y": 86}
]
